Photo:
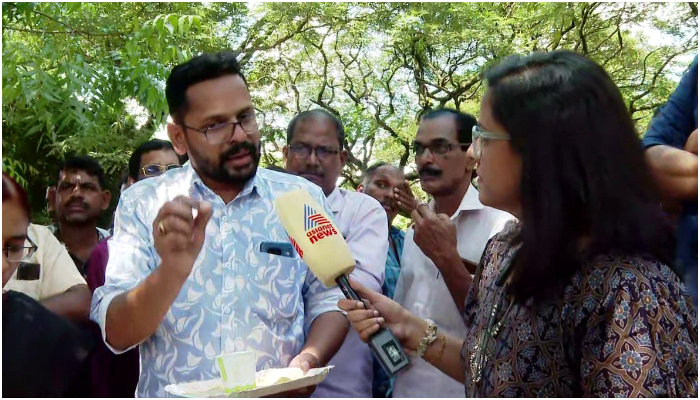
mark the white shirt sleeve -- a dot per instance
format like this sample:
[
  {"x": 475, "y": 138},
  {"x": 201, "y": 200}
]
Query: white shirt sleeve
[{"x": 368, "y": 238}]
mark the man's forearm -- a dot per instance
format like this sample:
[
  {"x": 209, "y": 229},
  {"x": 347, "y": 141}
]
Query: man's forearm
[
  {"x": 134, "y": 316},
  {"x": 73, "y": 304},
  {"x": 457, "y": 278},
  {"x": 326, "y": 335},
  {"x": 675, "y": 172}
]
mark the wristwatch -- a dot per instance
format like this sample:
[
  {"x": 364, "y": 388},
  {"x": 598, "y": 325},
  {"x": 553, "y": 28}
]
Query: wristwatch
[{"x": 428, "y": 339}]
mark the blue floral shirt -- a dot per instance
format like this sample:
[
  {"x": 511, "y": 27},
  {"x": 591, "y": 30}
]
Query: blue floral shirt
[{"x": 236, "y": 297}]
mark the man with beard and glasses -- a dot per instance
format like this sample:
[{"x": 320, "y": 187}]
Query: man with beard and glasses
[
  {"x": 315, "y": 151},
  {"x": 186, "y": 280},
  {"x": 445, "y": 243}
]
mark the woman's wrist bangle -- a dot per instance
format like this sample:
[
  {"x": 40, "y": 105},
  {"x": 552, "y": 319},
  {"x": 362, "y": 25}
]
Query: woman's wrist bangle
[
  {"x": 429, "y": 338},
  {"x": 443, "y": 343}
]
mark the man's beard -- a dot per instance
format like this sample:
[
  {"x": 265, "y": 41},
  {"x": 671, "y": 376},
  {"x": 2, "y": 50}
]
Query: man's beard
[{"x": 220, "y": 173}]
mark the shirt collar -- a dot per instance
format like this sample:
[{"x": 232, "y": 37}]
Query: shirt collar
[
  {"x": 336, "y": 200},
  {"x": 470, "y": 202},
  {"x": 252, "y": 186},
  {"x": 394, "y": 231},
  {"x": 101, "y": 233}
]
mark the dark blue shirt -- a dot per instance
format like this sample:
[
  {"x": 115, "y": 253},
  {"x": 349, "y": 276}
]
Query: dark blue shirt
[{"x": 671, "y": 127}]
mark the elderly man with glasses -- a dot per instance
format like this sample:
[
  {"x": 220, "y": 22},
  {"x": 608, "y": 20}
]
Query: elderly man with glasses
[
  {"x": 151, "y": 159},
  {"x": 315, "y": 151}
]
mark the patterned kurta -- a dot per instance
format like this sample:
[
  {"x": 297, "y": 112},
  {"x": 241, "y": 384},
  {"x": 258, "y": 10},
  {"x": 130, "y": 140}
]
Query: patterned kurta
[{"x": 622, "y": 327}]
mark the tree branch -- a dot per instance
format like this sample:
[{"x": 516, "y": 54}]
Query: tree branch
[{"x": 74, "y": 30}]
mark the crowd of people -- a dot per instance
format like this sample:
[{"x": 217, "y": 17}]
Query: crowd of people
[{"x": 543, "y": 265}]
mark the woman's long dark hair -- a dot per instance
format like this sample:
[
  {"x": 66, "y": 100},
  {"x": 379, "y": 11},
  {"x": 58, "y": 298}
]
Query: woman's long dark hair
[{"x": 584, "y": 172}]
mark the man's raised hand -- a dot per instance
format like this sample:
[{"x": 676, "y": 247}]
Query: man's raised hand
[
  {"x": 435, "y": 235},
  {"x": 178, "y": 237},
  {"x": 405, "y": 199}
]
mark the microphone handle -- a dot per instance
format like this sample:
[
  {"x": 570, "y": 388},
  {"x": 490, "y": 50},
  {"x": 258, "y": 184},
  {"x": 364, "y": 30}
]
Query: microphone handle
[
  {"x": 386, "y": 348},
  {"x": 344, "y": 285}
]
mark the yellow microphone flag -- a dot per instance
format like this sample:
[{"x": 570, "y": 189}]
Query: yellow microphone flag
[{"x": 314, "y": 236}]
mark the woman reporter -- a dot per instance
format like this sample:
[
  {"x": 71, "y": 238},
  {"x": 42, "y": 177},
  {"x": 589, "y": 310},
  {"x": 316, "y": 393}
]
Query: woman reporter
[{"x": 577, "y": 298}]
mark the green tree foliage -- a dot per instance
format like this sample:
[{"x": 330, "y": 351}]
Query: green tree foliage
[{"x": 72, "y": 70}]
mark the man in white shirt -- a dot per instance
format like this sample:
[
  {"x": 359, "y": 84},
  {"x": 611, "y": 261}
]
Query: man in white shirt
[
  {"x": 50, "y": 277},
  {"x": 315, "y": 151},
  {"x": 445, "y": 244}
]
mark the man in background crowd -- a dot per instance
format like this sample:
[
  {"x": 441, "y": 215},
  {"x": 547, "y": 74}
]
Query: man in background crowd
[
  {"x": 49, "y": 276},
  {"x": 152, "y": 158},
  {"x": 80, "y": 198},
  {"x": 315, "y": 151},
  {"x": 672, "y": 152},
  {"x": 445, "y": 243}
]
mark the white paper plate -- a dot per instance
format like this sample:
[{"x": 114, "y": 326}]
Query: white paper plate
[{"x": 269, "y": 382}]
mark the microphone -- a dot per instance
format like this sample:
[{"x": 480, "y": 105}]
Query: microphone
[{"x": 324, "y": 250}]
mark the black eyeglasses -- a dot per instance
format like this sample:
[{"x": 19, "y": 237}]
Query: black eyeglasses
[
  {"x": 15, "y": 254},
  {"x": 438, "y": 148},
  {"x": 157, "y": 169},
  {"x": 222, "y": 132},
  {"x": 300, "y": 150}
]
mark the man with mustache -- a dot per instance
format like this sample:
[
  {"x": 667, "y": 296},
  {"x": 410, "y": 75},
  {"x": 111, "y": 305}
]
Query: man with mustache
[
  {"x": 315, "y": 151},
  {"x": 186, "y": 279},
  {"x": 445, "y": 243},
  {"x": 79, "y": 200}
]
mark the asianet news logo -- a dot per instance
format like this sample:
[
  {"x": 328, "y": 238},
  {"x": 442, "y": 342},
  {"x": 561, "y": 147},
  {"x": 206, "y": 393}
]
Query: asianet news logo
[{"x": 316, "y": 225}]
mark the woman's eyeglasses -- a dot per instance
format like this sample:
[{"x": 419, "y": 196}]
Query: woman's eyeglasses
[
  {"x": 479, "y": 135},
  {"x": 15, "y": 254}
]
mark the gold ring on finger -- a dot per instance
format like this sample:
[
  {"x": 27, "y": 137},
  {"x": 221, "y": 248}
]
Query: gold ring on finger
[{"x": 161, "y": 228}]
